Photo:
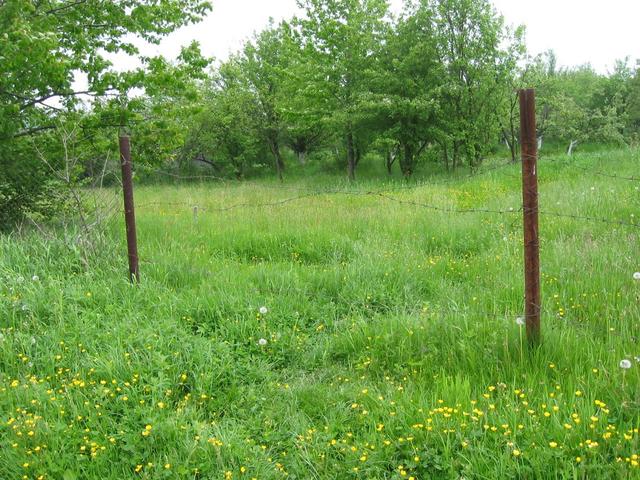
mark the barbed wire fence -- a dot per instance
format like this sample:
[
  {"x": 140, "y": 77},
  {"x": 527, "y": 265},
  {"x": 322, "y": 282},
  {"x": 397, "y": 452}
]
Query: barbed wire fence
[
  {"x": 389, "y": 194},
  {"x": 383, "y": 193}
]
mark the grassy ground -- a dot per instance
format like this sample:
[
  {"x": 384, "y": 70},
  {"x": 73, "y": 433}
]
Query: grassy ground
[{"x": 392, "y": 349}]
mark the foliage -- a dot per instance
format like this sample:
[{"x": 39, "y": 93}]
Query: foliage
[
  {"x": 225, "y": 134},
  {"x": 45, "y": 45},
  {"x": 578, "y": 104},
  {"x": 471, "y": 39},
  {"x": 342, "y": 41},
  {"x": 348, "y": 75},
  {"x": 405, "y": 92},
  {"x": 44, "y": 48},
  {"x": 264, "y": 66},
  {"x": 633, "y": 102}
]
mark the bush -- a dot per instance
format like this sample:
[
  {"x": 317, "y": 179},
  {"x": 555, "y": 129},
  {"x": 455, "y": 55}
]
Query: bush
[{"x": 28, "y": 187}]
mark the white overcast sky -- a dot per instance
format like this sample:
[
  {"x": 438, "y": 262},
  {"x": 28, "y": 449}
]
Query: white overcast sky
[{"x": 580, "y": 31}]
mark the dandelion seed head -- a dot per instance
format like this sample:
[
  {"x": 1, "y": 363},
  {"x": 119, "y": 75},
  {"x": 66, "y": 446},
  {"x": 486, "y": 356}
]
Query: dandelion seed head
[
  {"x": 521, "y": 321},
  {"x": 636, "y": 276},
  {"x": 625, "y": 364},
  {"x": 262, "y": 342},
  {"x": 263, "y": 310},
  {"x": 35, "y": 278}
]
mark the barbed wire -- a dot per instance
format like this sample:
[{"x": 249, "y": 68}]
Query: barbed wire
[
  {"x": 370, "y": 193},
  {"x": 384, "y": 193},
  {"x": 572, "y": 163},
  {"x": 386, "y": 197},
  {"x": 590, "y": 219},
  {"x": 608, "y": 175},
  {"x": 428, "y": 182}
]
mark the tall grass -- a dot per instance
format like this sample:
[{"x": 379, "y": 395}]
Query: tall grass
[{"x": 392, "y": 350}]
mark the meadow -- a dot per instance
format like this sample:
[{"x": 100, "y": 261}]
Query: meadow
[{"x": 341, "y": 334}]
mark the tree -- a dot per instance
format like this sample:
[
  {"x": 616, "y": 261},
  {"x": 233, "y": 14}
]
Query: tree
[
  {"x": 477, "y": 54},
  {"x": 518, "y": 76},
  {"x": 578, "y": 104},
  {"x": 341, "y": 41},
  {"x": 405, "y": 90},
  {"x": 45, "y": 48},
  {"x": 264, "y": 64},
  {"x": 225, "y": 134},
  {"x": 633, "y": 103}
]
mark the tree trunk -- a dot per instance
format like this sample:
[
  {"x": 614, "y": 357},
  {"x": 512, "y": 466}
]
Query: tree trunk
[
  {"x": 514, "y": 142},
  {"x": 478, "y": 159},
  {"x": 389, "y": 161},
  {"x": 511, "y": 145},
  {"x": 406, "y": 164},
  {"x": 351, "y": 157},
  {"x": 201, "y": 158},
  {"x": 238, "y": 168},
  {"x": 514, "y": 153},
  {"x": 456, "y": 154},
  {"x": 275, "y": 149},
  {"x": 445, "y": 155}
]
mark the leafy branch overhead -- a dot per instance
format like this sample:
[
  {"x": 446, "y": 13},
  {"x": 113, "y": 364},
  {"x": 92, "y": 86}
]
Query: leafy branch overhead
[
  {"x": 45, "y": 47},
  {"x": 54, "y": 66}
]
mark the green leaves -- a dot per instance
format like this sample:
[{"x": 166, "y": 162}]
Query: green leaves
[
  {"x": 47, "y": 49},
  {"x": 579, "y": 104},
  {"x": 342, "y": 43},
  {"x": 46, "y": 45}
]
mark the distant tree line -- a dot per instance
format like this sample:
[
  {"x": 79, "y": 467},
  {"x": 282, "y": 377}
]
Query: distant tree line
[
  {"x": 344, "y": 84},
  {"x": 347, "y": 81}
]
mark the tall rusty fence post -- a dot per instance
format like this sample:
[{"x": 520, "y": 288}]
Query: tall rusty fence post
[
  {"x": 529, "y": 145},
  {"x": 129, "y": 209}
]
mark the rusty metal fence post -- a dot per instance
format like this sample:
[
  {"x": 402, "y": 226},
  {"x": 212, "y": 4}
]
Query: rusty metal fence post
[
  {"x": 529, "y": 145},
  {"x": 129, "y": 210}
]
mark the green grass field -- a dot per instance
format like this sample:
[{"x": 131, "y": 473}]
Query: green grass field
[{"x": 392, "y": 349}]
